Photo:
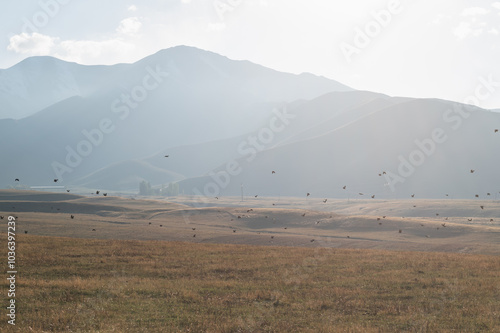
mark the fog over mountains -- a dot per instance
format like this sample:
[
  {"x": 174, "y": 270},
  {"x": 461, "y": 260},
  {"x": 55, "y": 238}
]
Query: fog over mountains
[{"x": 227, "y": 125}]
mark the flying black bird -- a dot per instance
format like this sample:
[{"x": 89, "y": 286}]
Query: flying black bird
[
  {"x": 378, "y": 218},
  {"x": 472, "y": 170},
  {"x": 194, "y": 235},
  {"x": 67, "y": 191},
  {"x": 97, "y": 192},
  {"x": 344, "y": 187},
  {"x": 149, "y": 222},
  {"x": 413, "y": 195},
  {"x": 193, "y": 228},
  {"x": 167, "y": 155},
  {"x": 477, "y": 195},
  {"x": 304, "y": 214},
  {"x": 361, "y": 193},
  {"x": 488, "y": 193},
  {"x": 444, "y": 225},
  {"x": 470, "y": 220},
  {"x": 325, "y": 200},
  {"x": 256, "y": 195},
  {"x": 72, "y": 216},
  {"x": 400, "y": 231},
  {"x": 496, "y": 130},
  {"x": 105, "y": 194},
  {"x": 234, "y": 230},
  {"x": 56, "y": 180},
  {"x": 482, "y": 207},
  {"x": 25, "y": 231},
  {"x": 308, "y": 194},
  {"x": 93, "y": 229},
  {"x": 273, "y": 172},
  {"x": 161, "y": 225},
  {"x": 373, "y": 196},
  {"x": 16, "y": 180}
]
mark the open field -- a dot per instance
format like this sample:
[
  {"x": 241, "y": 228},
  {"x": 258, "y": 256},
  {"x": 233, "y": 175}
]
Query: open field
[
  {"x": 415, "y": 225},
  {"x": 113, "y": 264},
  {"x": 83, "y": 285}
]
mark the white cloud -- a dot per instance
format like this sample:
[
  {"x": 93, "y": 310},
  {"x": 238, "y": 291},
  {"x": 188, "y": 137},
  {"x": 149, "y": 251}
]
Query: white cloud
[
  {"x": 132, "y": 8},
  {"x": 473, "y": 11},
  {"x": 463, "y": 30},
  {"x": 80, "y": 51},
  {"x": 496, "y": 5},
  {"x": 32, "y": 44},
  {"x": 129, "y": 26},
  {"x": 493, "y": 31},
  {"x": 216, "y": 26},
  {"x": 186, "y": 1}
]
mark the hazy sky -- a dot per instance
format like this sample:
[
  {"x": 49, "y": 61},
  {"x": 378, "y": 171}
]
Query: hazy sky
[{"x": 443, "y": 49}]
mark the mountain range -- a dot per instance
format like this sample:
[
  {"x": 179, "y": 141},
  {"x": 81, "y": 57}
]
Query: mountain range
[{"x": 231, "y": 126}]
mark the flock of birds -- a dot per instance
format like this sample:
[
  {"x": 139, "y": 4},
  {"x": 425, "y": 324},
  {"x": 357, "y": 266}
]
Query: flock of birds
[
  {"x": 68, "y": 191},
  {"x": 55, "y": 180}
]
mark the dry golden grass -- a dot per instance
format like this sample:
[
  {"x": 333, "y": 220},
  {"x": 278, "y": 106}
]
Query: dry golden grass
[
  {"x": 357, "y": 224},
  {"x": 83, "y": 285}
]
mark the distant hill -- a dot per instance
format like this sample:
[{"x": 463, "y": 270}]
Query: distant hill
[
  {"x": 384, "y": 148},
  {"x": 86, "y": 118}
]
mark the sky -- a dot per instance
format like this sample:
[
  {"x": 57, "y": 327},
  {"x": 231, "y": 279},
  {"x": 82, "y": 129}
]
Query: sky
[{"x": 426, "y": 49}]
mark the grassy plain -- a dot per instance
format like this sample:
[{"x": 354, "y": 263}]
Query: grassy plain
[{"x": 265, "y": 265}]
